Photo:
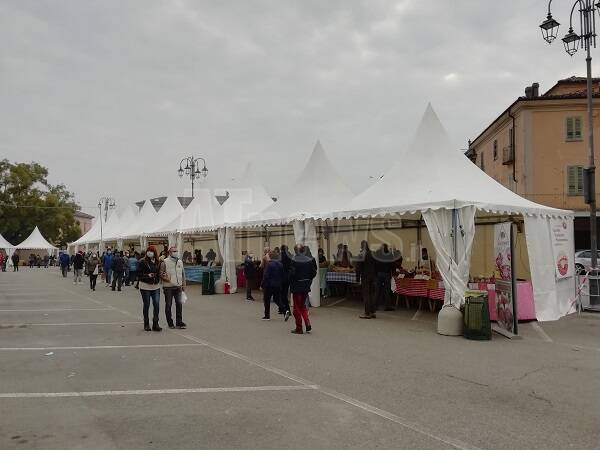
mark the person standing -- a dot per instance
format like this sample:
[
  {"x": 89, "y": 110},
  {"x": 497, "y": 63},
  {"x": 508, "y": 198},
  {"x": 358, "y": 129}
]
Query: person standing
[
  {"x": 46, "y": 260},
  {"x": 173, "y": 279},
  {"x": 64, "y": 260},
  {"x": 107, "y": 266},
  {"x": 2, "y": 260},
  {"x": 271, "y": 284},
  {"x": 118, "y": 269},
  {"x": 78, "y": 262},
  {"x": 15, "y": 260},
  {"x": 149, "y": 284},
  {"x": 211, "y": 256},
  {"x": 383, "y": 284},
  {"x": 250, "y": 274},
  {"x": 365, "y": 272},
  {"x": 284, "y": 298},
  {"x": 302, "y": 271},
  {"x": 126, "y": 268},
  {"x": 93, "y": 269},
  {"x": 132, "y": 263}
]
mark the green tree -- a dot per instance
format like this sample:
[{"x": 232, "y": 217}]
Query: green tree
[{"x": 27, "y": 199}]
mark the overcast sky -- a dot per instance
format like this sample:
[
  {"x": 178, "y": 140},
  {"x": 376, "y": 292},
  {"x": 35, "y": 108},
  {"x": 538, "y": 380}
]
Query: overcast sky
[{"x": 110, "y": 95}]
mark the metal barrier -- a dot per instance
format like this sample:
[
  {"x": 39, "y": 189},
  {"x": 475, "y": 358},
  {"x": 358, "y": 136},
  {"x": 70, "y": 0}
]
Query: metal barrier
[{"x": 587, "y": 295}]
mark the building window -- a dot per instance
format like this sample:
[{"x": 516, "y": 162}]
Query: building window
[
  {"x": 575, "y": 180},
  {"x": 481, "y": 162},
  {"x": 573, "y": 126},
  {"x": 495, "y": 149}
]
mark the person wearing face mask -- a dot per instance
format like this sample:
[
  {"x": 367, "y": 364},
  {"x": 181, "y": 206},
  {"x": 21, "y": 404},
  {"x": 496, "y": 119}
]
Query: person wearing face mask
[
  {"x": 173, "y": 278},
  {"x": 149, "y": 284}
]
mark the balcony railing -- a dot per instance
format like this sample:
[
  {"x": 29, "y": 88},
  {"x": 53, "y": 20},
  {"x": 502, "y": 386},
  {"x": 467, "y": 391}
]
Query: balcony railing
[{"x": 508, "y": 155}]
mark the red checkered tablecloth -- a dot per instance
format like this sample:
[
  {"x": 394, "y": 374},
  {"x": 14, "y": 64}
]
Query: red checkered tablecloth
[{"x": 410, "y": 287}]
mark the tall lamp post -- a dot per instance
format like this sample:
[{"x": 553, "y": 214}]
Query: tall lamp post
[
  {"x": 192, "y": 169},
  {"x": 105, "y": 203},
  {"x": 572, "y": 41}
]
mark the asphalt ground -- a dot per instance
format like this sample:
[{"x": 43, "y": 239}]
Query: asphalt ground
[{"x": 78, "y": 371}]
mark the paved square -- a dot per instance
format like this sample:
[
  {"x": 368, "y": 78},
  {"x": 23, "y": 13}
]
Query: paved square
[{"x": 78, "y": 371}]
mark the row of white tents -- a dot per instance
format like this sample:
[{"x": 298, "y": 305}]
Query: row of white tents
[
  {"x": 431, "y": 180},
  {"x": 35, "y": 241}
]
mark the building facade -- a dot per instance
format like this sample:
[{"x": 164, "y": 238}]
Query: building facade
[
  {"x": 538, "y": 148},
  {"x": 84, "y": 221}
]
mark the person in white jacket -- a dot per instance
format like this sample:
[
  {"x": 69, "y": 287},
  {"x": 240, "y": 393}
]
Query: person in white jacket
[{"x": 173, "y": 279}]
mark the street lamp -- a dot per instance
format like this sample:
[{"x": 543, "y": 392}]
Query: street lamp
[
  {"x": 192, "y": 169},
  {"x": 106, "y": 203},
  {"x": 572, "y": 41}
]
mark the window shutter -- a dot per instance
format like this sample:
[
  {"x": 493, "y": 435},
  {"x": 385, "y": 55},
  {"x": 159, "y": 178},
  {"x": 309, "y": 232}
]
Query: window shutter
[
  {"x": 575, "y": 180},
  {"x": 577, "y": 127},
  {"x": 570, "y": 128}
]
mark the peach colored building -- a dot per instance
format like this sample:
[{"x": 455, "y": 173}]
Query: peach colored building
[
  {"x": 537, "y": 148},
  {"x": 84, "y": 221}
]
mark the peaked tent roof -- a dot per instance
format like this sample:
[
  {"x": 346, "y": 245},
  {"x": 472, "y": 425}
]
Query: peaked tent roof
[
  {"x": 93, "y": 234},
  {"x": 204, "y": 213},
  {"x": 170, "y": 210},
  {"x": 247, "y": 197},
  {"x": 318, "y": 189},
  {"x": 136, "y": 228},
  {"x": 432, "y": 175},
  {"x": 35, "y": 241},
  {"x": 4, "y": 243},
  {"x": 126, "y": 218}
]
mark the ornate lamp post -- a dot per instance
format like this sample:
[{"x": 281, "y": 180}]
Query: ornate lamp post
[
  {"x": 105, "y": 203},
  {"x": 572, "y": 41},
  {"x": 192, "y": 169}
]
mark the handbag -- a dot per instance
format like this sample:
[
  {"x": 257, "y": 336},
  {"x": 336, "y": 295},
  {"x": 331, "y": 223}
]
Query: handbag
[
  {"x": 95, "y": 270},
  {"x": 183, "y": 297}
]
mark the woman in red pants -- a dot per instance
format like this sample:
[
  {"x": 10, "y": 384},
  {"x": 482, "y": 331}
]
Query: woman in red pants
[{"x": 302, "y": 271}]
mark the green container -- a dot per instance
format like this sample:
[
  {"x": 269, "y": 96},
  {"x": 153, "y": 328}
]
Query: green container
[
  {"x": 477, "y": 316},
  {"x": 208, "y": 283}
]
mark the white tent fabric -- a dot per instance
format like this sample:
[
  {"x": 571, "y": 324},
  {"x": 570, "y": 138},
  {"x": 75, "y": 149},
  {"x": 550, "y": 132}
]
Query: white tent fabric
[
  {"x": 111, "y": 228},
  {"x": 138, "y": 226},
  {"x": 126, "y": 219},
  {"x": 35, "y": 241},
  {"x": 247, "y": 197},
  {"x": 202, "y": 214},
  {"x": 170, "y": 210},
  {"x": 318, "y": 189},
  {"x": 552, "y": 297},
  {"x": 305, "y": 233},
  {"x": 4, "y": 243},
  {"x": 454, "y": 268},
  {"x": 226, "y": 239},
  {"x": 432, "y": 174}
]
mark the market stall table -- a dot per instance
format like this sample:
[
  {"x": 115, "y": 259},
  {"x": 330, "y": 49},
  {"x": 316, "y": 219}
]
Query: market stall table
[
  {"x": 346, "y": 281},
  {"x": 194, "y": 273}
]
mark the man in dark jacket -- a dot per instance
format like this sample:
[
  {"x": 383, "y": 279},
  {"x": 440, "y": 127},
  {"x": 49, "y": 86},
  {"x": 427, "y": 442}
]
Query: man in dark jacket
[
  {"x": 78, "y": 262},
  {"x": 365, "y": 273},
  {"x": 284, "y": 298},
  {"x": 302, "y": 271},
  {"x": 107, "y": 259},
  {"x": 250, "y": 274},
  {"x": 384, "y": 266},
  {"x": 271, "y": 284},
  {"x": 118, "y": 269}
]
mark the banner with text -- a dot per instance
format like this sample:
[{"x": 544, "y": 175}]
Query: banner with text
[{"x": 561, "y": 234}]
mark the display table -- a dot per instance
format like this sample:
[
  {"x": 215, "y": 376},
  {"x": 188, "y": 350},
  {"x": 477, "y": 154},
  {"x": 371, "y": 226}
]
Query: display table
[
  {"x": 431, "y": 290},
  {"x": 525, "y": 304},
  {"x": 341, "y": 277},
  {"x": 194, "y": 273}
]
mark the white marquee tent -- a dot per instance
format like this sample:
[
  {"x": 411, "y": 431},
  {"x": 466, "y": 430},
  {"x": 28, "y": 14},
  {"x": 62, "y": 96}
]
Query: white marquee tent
[
  {"x": 8, "y": 247},
  {"x": 434, "y": 179},
  {"x": 35, "y": 241}
]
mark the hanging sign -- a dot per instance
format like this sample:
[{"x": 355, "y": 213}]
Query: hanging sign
[
  {"x": 561, "y": 231},
  {"x": 505, "y": 281}
]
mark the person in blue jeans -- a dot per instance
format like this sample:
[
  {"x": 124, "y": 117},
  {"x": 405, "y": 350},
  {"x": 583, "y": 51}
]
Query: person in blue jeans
[
  {"x": 149, "y": 284},
  {"x": 132, "y": 262},
  {"x": 107, "y": 266}
]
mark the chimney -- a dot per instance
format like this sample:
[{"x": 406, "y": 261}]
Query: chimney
[
  {"x": 536, "y": 90},
  {"x": 528, "y": 92}
]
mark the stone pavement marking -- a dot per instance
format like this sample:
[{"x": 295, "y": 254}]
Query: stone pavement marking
[
  {"x": 329, "y": 392},
  {"x": 157, "y": 391},
  {"x": 536, "y": 326}
]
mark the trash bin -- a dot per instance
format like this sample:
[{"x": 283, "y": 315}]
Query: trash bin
[
  {"x": 208, "y": 283},
  {"x": 477, "y": 324}
]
